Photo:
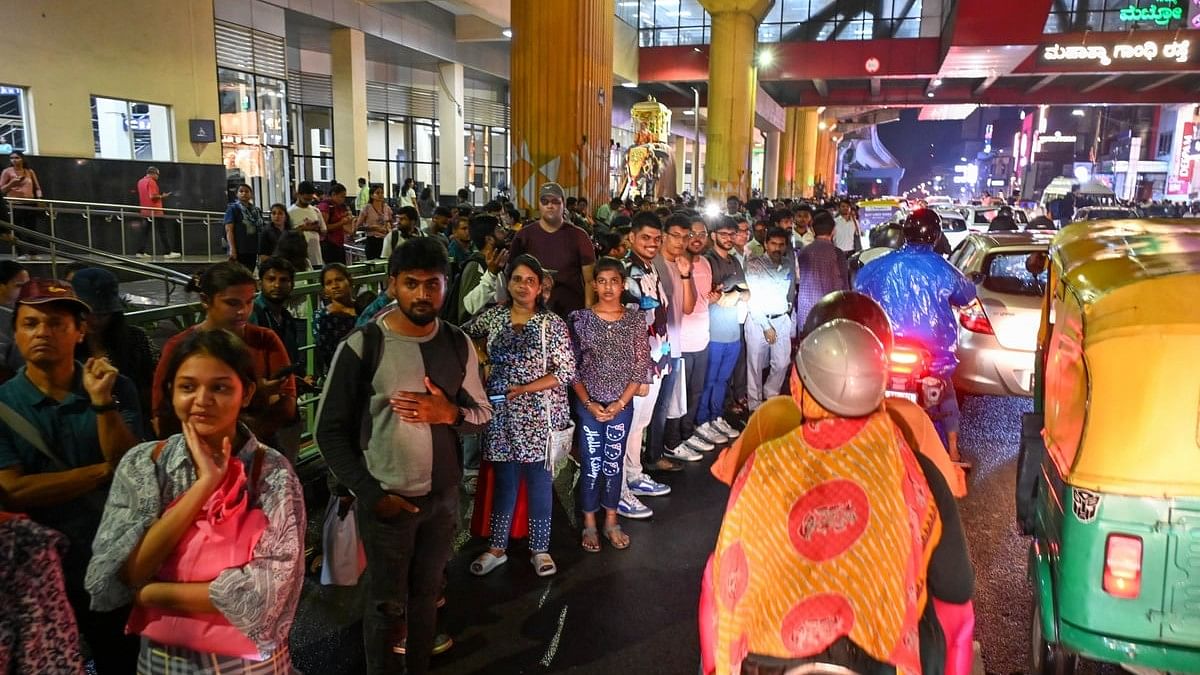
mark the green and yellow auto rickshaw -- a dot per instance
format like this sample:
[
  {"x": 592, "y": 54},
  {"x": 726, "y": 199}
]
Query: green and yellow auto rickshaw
[{"x": 1108, "y": 479}]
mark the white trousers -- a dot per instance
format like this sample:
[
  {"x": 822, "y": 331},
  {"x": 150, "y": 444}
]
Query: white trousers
[
  {"x": 643, "y": 410},
  {"x": 760, "y": 355}
]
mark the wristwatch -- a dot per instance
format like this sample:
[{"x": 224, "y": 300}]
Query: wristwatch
[{"x": 111, "y": 405}]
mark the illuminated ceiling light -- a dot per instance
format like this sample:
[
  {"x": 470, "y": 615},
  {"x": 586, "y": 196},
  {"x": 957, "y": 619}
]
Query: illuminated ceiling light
[
  {"x": 821, "y": 125},
  {"x": 937, "y": 82},
  {"x": 929, "y": 94},
  {"x": 629, "y": 85},
  {"x": 689, "y": 112},
  {"x": 1078, "y": 112},
  {"x": 765, "y": 58},
  {"x": 507, "y": 32}
]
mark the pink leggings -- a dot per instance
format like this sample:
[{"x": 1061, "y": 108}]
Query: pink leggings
[{"x": 958, "y": 623}]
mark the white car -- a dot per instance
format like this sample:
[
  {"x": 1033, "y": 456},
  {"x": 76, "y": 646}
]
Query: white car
[
  {"x": 954, "y": 226},
  {"x": 980, "y": 217},
  {"x": 935, "y": 201},
  {"x": 997, "y": 332}
]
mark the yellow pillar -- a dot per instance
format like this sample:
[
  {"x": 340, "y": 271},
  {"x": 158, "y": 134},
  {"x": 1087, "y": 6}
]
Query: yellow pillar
[
  {"x": 787, "y": 154},
  {"x": 348, "y": 58},
  {"x": 732, "y": 86},
  {"x": 806, "y": 150},
  {"x": 562, "y": 62}
]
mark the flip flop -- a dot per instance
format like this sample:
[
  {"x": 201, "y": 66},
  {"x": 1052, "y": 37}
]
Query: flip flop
[
  {"x": 487, "y": 562},
  {"x": 543, "y": 564},
  {"x": 608, "y": 534},
  {"x": 591, "y": 541}
]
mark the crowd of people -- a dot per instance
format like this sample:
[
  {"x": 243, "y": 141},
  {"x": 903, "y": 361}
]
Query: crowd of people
[{"x": 641, "y": 334}]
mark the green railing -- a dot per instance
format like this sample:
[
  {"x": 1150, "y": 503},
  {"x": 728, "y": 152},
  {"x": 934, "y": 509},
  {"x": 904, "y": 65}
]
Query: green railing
[{"x": 306, "y": 299}]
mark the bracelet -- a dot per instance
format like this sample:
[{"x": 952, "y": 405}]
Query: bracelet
[
  {"x": 587, "y": 403},
  {"x": 111, "y": 405},
  {"x": 685, "y": 276}
]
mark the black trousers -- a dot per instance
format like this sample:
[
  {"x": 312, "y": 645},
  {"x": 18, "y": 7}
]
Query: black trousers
[
  {"x": 406, "y": 562},
  {"x": 113, "y": 652}
]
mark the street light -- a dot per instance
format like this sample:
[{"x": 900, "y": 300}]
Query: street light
[{"x": 765, "y": 57}]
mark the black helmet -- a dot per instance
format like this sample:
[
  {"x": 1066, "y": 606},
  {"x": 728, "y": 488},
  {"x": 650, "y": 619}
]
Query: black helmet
[
  {"x": 854, "y": 306},
  {"x": 923, "y": 226},
  {"x": 1005, "y": 211}
]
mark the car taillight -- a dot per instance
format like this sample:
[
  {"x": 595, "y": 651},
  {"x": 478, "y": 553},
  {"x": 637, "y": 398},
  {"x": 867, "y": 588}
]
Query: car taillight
[
  {"x": 1123, "y": 566},
  {"x": 905, "y": 360},
  {"x": 973, "y": 318}
]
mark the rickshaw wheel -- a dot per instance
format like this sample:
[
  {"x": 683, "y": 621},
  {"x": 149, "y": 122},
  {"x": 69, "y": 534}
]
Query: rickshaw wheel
[{"x": 1047, "y": 658}]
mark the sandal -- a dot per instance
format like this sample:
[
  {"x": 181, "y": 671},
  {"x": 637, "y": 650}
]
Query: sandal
[
  {"x": 543, "y": 564},
  {"x": 610, "y": 533},
  {"x": 487, "y": 562},
  {"x": 591, "y": 541}
]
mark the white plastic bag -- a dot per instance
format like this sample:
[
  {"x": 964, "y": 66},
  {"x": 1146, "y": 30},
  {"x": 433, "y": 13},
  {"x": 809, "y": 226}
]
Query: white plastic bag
[{"x": 344, "y": 557}]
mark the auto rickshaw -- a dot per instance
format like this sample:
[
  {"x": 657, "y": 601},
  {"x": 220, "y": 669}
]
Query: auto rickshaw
[{"x": 1108, "y": 480}]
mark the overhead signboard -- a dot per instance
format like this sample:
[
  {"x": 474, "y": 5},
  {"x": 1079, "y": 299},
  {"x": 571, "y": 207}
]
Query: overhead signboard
[{"x": 1153, "y": 51}]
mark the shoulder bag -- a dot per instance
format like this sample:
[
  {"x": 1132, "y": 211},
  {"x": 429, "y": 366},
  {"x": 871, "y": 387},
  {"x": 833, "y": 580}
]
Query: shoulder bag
[{"x": 559, "y": 441}]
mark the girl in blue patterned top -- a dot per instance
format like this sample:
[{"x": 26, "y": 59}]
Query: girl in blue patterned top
[
  {"x": 521, "y": 337},
  {"x": 167, "y": 495}
]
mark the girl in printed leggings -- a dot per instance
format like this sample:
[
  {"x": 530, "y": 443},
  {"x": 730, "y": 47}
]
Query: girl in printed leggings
[{"x": 612, "y": 360}]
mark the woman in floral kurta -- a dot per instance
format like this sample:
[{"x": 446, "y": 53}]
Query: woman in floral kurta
[{"x": 520, "y": 386}]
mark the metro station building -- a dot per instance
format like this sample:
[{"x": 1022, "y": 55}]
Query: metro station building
[{"x": 497, "y": 96}]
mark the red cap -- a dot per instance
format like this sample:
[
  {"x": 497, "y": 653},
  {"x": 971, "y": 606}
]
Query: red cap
[{"x": 41, "y": 291}]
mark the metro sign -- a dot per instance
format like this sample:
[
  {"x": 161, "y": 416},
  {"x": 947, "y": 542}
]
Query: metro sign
[{"x": 1160, "y": 14}]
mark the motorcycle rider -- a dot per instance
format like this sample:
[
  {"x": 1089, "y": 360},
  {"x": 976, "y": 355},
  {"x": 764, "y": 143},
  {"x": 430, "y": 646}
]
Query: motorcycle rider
[
  {"x": 918, "y": 290},
  {"x": 778, "y": 591}
]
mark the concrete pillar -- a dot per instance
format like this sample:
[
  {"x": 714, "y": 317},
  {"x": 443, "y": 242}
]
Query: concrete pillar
[
  {"x": 771, "y": 165},
  {"x": 349, "y": 69},
  {"x": 681, "y": 156},
  {"x": 806, "y": 150},
  {"x": 732, "y": 86},
  {"x": 452, "y": 169},
  {"x": 562, "y": 63},
  {"x": 787, "y": 155}
]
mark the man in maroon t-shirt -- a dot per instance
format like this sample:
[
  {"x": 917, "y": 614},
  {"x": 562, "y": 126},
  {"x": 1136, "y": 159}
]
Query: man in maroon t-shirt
[
  {"x": 340, "y": 223},
  {"x": 562, "y": 247}
]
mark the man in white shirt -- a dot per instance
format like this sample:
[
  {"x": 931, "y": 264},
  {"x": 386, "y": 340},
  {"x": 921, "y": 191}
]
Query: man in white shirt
[
  {"x": 305, "y": 217},
  {"x": 845, "y": 232},
  {"x": 771, "y": 279}
]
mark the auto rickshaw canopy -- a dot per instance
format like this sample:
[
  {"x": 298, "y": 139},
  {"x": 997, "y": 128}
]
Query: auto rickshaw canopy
[{"x": 1134, "y": 287}]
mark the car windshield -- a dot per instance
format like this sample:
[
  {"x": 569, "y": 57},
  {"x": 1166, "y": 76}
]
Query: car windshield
[
  {"x": 1018, "y": 273},
  {"x": 1102, "y": 214}
]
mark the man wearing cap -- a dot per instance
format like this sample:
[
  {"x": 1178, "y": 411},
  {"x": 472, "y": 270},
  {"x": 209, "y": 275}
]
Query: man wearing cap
[
  {"x": 151, "y": 200},
  {"x": 65, "y": 427},
  {"x": 725, "y": 327},
  {"x": 562, "y": 247}
]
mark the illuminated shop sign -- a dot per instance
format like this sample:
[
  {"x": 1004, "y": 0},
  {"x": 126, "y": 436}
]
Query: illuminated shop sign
[
  {"x": 1161, "y": 14},
  {"x": 1150, "y": 50}
]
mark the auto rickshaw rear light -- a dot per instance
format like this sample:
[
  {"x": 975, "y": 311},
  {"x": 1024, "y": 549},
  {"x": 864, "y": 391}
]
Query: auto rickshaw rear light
[
  {"x": 1123, "y": 566},
  {"x": 973, "y": 318}
]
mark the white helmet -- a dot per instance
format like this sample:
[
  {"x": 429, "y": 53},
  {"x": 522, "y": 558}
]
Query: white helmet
[{"x": 844, "y": 367}]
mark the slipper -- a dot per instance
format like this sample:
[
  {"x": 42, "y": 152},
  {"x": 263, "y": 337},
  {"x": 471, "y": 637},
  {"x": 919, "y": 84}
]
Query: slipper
[
  {"x": 591, "y": 541},
  {"x": 543, "y": 564},
  {"x": 608, "y": 534},
  {"x": 487, "y": 562}
]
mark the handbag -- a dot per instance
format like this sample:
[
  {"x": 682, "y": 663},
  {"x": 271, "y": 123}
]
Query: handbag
[
  {"x": 559, "y": 441},
  {"x": 343, "y": 556}
]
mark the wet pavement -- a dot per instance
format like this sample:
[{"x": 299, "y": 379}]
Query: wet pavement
[{"x": 634, "y": 611}]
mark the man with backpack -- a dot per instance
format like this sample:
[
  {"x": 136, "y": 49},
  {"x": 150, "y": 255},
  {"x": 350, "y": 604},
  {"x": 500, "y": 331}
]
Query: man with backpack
[{"x": 397, "y": 392}]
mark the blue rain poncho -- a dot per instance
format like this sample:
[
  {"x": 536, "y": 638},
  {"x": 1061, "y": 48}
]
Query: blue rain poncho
[{"x": 918, "y": 289}]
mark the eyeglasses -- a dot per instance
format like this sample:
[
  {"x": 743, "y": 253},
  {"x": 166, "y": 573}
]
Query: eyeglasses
[
  {"x": 546, "y": 201},
  {"x": 689, "y": 235}
]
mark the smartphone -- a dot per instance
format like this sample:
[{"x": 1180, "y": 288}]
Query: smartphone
[
  {"x": 294, "y": 369},
  {"x": 497, "y": 400}
]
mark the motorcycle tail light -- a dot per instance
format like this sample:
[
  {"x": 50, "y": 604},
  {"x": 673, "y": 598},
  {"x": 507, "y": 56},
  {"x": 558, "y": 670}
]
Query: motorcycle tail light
[
  {"x": 1123, "y": 566},
  {"x": 973, "y": 318},
  {"x": 906, "y": 361}
]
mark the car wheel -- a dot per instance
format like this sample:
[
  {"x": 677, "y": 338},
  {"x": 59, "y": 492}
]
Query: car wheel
[{"x": 1047, "y": 658}]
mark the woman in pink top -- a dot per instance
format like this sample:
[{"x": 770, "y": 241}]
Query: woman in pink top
[{"x": 19, "y": 181}]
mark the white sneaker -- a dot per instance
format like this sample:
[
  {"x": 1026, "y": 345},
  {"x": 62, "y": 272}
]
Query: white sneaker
[
  {"x": 23, "y": 258},
  {"x": 711, "y": 434},
  {"x": 173, "y": 255},
  {"x": 724, "y": 427},
  {"x": 632, "y": 507},
  {"x": 700, "y": 444},
  {"x": 141, "y": 256},
  {"x": 683, "y": 453}
]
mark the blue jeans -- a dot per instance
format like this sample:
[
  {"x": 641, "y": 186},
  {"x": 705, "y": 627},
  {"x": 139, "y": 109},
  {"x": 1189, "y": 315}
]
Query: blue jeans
[
  {"x": 538, "y": 488},
  {"x": 722, "y": 358},
  {"x": 602, "y": 452},
  {"x": 656, "y": 438}
]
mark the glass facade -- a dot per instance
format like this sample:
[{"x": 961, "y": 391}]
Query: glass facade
[
  {"x": 131, "y": 130},
  {"x": 400, "y": 147},
  {"x": 254, "y": 134},
  {"x": 14, "y": 120},
  {"x": 312, "y": 142},
  {"x": 684, "y": 22},
  {"x": 486, "y": 155}
]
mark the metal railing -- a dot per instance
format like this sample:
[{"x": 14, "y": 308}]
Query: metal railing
[
  {"x": 304, "y": 304},
  {"x": 120, "y": 228},
  {"x": 61, "y": 250}
]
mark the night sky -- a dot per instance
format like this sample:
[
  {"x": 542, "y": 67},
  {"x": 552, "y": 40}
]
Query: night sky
[{"x": 908, "y": 139}]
